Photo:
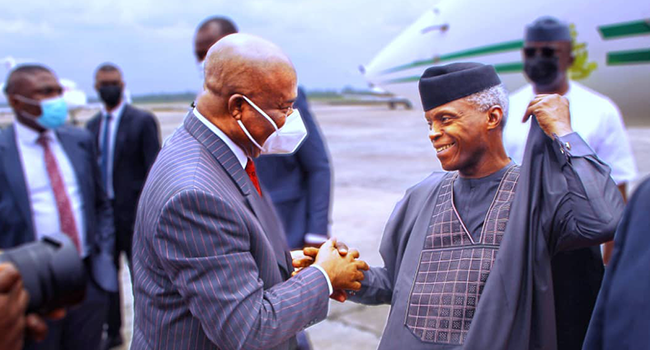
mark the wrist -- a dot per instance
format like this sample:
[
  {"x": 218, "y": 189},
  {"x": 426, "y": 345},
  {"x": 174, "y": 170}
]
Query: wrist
[{"x": 563, "y": 131}]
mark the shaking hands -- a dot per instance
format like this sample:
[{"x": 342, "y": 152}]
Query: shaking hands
[{"x": 342, "y": 266}]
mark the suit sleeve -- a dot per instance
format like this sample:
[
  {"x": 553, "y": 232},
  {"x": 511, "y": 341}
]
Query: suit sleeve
[
  {"x": 150, "y": 140},
  {"x": 204, "y": 246},
  {"x": 590, "y": 208},
  {"x": 314, "y": 162}
]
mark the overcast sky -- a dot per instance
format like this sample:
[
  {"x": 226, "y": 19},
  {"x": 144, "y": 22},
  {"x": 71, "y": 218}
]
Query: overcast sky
[{"x": 151, "y": 40}]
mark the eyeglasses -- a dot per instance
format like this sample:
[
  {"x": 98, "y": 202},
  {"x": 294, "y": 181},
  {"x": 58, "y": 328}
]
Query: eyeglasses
[{"x": 547, "y": 52}]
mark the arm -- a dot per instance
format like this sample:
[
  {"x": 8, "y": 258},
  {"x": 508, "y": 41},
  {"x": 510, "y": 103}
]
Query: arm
[
  {"x": 150, "y": 140},
  {"x": 314, "y": 162},
  {"x": 614, "y": 149},
  {"x": 590, "y": 208},
  {"x": 586, "y": 205},
  {"x": 204, "y": 247}
]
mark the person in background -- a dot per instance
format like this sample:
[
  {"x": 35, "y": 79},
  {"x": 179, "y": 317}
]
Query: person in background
[
  {"x": 547, "y": 56},
  {"x": 300, "y": 184},
  {"x": 128, "y": 141},
  {"x": 620, "y": 320},
  {"x": 210, "y": 31},
  {"x": 50, "y": 183}
]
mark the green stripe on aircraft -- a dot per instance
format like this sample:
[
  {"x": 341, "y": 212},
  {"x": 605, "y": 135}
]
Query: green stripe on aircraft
[
  {"x": 619, "y": 30},
  {"x": 502, "y": 68},
  {"x": 628, "y": 57},
  {"x": 483, "y": 50}
]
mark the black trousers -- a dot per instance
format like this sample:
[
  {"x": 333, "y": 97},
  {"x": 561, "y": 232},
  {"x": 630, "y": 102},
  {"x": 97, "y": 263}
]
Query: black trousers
[
  {"x": 81, "y": 328},
  {"x": 123, "y": 244},
  {"x": 577, "y": 276}
]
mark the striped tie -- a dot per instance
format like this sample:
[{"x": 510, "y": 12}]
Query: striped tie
[{"x": 66, "y": 217}]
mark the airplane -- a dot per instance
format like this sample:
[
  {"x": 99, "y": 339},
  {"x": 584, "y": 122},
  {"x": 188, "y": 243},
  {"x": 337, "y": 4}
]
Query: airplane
[{"x": 611, "y": 45}]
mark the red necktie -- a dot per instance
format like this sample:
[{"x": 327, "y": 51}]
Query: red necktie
[
  {"x": 250, "y": 170},
  {"x": 66, "y": 217}
]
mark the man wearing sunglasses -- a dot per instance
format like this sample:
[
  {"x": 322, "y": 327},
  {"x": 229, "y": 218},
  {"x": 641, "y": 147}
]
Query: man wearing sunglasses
[{"x": 547, "y": 57}]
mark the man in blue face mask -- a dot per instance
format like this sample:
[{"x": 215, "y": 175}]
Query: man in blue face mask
[{"x": 50, "y": 184}]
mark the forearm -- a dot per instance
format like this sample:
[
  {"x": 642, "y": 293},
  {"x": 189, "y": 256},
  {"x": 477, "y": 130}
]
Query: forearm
[
  {"x": 376, "y": 288},
  {"x": 288, "y": 308},
  {"x": 592, "y": 206}
]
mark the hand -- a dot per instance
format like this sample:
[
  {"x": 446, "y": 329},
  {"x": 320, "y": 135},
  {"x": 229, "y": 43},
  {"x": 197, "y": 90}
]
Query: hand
[
  {"x": 552, "y": 113},
  {"x": 344, "y": 271},
  {"x": 306, "y": 257},
  {"x": 14, "y": 324},
  {"x": 13, "y": 303}
]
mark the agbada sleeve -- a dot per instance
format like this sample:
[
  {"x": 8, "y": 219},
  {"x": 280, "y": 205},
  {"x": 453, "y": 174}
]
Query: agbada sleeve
[{"x": 587, "y": 203}]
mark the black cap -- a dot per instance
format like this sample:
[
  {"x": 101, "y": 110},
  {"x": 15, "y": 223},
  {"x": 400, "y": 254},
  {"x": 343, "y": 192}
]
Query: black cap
[
  {"x": 547, "y": 29},
  {"x": 442, "y": 84}
]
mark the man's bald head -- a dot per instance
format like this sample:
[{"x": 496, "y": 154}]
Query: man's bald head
[
  {"x": 240, "y": 70},
  {"x": 243, "y": 63}
]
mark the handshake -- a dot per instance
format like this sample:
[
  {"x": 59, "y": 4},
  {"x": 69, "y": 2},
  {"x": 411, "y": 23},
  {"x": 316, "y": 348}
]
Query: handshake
[{"x": 341, "y": 265}]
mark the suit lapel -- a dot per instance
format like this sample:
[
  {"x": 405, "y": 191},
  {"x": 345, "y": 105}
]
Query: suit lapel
[
  {"x": 273, "y": 230},
  {"x": 261, "y": 208},
  {"x": 93, "y": 126},
  {"x": 16, "y": 176},
  {"x": 120, "y": 138}
]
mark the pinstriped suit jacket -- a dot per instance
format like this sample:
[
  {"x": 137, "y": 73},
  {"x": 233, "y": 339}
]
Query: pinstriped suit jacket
[{"x": 210, "y": 259}]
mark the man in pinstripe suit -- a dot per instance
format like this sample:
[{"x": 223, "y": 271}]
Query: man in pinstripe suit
[{"x": 212, "y": 268}]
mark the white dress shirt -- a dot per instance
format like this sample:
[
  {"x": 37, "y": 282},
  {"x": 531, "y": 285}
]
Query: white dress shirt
[
  {"x": 45, "y": 214},
  {"x": 243, "y": 159},
  {"x": 116, "y": 116},
  {"x": 593, "y": 116}
]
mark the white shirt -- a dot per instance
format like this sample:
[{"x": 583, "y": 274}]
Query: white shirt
[
  {"x": 593, "y": 116},
  {"x": 45, "y": 215},
  {"x": 116, "y": 116},
  {"x": 243, "y": 159}
]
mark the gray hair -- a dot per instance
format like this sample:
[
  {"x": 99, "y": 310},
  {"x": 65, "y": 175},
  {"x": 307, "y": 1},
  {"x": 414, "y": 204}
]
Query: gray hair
[{"x": 496, "y": 95}]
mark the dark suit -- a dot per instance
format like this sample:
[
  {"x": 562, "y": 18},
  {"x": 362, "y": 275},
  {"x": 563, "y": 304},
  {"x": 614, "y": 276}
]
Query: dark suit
[
  {"x": 300, "y": 184},
  {"x": 211, "y": 264},
  {"x": 620, "y": 320},
  {"x": 16, "y": 227},
  {"x": 137, "y": 143}
]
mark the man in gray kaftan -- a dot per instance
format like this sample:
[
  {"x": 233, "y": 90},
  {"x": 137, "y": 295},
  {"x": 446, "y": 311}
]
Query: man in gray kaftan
[{"x": 467, "y": 252}]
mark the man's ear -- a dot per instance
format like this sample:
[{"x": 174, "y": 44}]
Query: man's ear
[
  {"x": 235, "y": 103},
  {"x": 14, "y": 102},
  {"x": 571, "y": 60},
  {"x": 494, "y": 117}
]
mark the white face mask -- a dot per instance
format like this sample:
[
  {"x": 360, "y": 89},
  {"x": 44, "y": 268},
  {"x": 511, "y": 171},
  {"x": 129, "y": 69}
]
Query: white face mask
[{"x": 283, "y": 141}]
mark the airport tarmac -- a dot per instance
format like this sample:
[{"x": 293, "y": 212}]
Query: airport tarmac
[{"x": 377, "y": 154}]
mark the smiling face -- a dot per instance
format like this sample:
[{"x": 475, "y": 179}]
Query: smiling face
[{"x": 461, "y": 135}]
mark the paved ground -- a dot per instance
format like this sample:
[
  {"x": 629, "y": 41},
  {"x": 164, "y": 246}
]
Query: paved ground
[{"x": 377, "y": 154}]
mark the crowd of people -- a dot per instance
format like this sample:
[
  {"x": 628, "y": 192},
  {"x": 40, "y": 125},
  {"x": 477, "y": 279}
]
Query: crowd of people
[{"x": 501, "y": 250}]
